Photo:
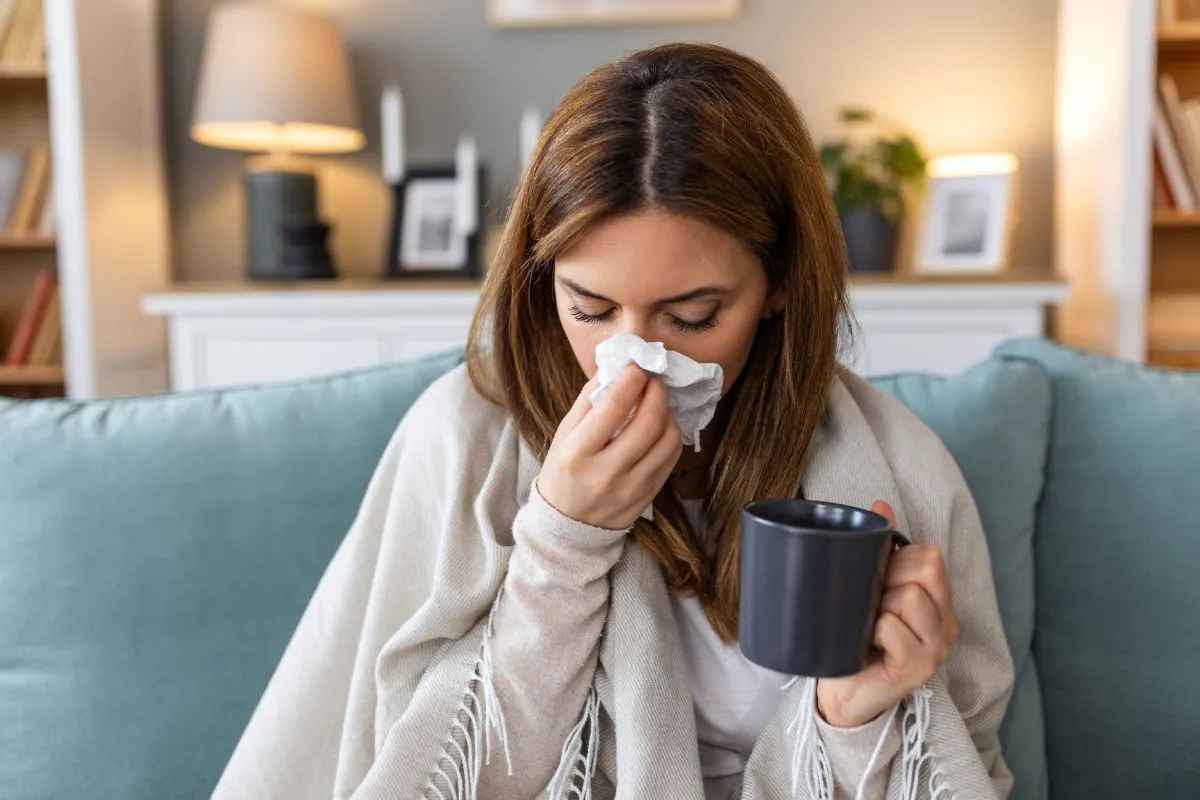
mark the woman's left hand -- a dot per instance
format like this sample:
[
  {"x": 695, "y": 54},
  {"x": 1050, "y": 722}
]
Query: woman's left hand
[{"x": 914, "y": 633}]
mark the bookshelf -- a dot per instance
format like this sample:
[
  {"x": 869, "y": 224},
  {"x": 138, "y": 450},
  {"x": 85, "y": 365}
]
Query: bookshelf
[
  {"x": 1173, "y": 297},
  {"x": 30, "y": 318},
  {"x": 51, "y": 375},
  {"x": 93, "y": 100},
  {"x": 14, "y": 241},
  {"x": 1127, "y": 242}
]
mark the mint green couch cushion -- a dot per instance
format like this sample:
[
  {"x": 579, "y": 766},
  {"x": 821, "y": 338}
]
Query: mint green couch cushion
[
  {"x": 995, "y": 420},
  {"x": 1118, "y": 576},
  {"x": 157, "y": 554}
]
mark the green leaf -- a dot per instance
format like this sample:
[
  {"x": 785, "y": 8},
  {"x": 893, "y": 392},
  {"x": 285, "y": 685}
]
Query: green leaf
[
  {"x": 872, "y": 174},
  {"x": 906, "y": 161},
  {"x": 852, "y": 115},
  {"x": 832, "y": 155}
]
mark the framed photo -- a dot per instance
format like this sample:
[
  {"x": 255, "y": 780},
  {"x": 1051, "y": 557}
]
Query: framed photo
[
  {"x": 967, "y": 224},
  {"x": 425, "y": 241},
  {"x": 567, "y": 13}
]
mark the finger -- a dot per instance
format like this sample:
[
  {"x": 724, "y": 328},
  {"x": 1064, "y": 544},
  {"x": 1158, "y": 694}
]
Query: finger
[
  {"x": 916, "y": 609},
  {"x": 923, "y": 564},
  {"x": 646, "y": 427},
  {"x": 901, "y": 648},
  {"x": 654, "y": 469},
  {"x": 596, "y": 429},
  {"x": 885, "y": 510},
  {"x": 581, "y": 407},
  {"x": 903, "y": 655}
]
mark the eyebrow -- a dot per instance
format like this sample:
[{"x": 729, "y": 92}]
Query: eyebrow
[{"x": 694, "y": 294}]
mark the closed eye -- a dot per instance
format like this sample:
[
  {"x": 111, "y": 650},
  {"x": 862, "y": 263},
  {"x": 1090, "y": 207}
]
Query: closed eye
[
  {"x": 580, "y": 315},
  {"x": 688, "y": 326}
]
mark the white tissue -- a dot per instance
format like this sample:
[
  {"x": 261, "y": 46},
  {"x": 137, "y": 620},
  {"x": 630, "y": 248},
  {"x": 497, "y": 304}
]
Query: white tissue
[{"x": 693, "y": 389}]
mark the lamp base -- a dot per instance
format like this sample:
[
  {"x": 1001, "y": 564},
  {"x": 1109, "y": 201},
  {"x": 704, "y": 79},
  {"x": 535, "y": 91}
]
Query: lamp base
[{"x": 284, "y": 237}]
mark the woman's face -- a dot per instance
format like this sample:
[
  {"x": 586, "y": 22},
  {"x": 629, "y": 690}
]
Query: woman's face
[{"x": 666, "y": 278}]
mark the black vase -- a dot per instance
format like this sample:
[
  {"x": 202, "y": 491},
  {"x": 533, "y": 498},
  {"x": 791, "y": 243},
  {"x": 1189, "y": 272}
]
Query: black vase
[{"x": 870, "y": 240}]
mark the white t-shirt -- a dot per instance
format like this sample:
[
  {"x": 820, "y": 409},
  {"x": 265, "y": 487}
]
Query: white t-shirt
[{"x": 734, "y": 698}]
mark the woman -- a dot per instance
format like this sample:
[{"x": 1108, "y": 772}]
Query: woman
[{"x": 502, "y": 622}]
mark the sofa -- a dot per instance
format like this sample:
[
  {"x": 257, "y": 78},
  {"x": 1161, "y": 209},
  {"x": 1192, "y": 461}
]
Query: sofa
[{"x": 156, "y": 553}]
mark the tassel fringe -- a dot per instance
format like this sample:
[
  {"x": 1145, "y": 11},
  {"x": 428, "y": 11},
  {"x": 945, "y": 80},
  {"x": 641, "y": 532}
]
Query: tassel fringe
[
  {"x": 916, "y": 753},
  {"x": 810, "y": 762},
  {"x": 577, "y": 767},
  {"x": 469, "y": 744}
]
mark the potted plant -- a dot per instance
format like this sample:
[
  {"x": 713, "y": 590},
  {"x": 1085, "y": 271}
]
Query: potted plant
[{"x": 868, "y": 172}]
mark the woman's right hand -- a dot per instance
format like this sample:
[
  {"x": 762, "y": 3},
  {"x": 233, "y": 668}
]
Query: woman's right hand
[{"x": 605, "y": 482}]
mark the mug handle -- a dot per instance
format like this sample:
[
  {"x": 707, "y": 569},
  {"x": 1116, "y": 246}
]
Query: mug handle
[{"x": 900, "y": 540}]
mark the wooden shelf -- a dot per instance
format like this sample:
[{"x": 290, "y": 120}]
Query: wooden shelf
[
  {"x": 1169, "y": 218},
  {"x": 50, "y": 375},
  {"x": 1173, "y": 327},
  {"x": 1180, "y": 38},
  {"x": 22, "y": 72},
  {"x": 16, "y": 241}
]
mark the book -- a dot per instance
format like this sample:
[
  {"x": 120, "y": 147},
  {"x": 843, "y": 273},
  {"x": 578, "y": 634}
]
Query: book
[
  {"x": 46, "y": 342},
  {"x": 20, "y": 32},
  {"x": 1165, "y": 145},
  {"x": 1162, "y": 192},
  {"x": 1188, "y": 145},
  {"x": 7, "y": 7},
  {"x": 31, "y": 318},
  {"x": 47, "y": 224},
  {"x": 35, "y": 48},
  {"x": 12, "y": 167},
  {"x": 23, "y": 218}
]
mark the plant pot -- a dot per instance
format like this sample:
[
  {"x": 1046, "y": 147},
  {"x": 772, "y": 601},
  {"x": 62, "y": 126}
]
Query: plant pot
[{"x": 870, "y": 240}]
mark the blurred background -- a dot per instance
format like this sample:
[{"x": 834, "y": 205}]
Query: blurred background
[{"x": 991, "y": 162}]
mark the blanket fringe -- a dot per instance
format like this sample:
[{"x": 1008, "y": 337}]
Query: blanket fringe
[
  {"x": 916, "y": 752},
  {"x": 469, "y": 744},
  {"x": 810, "y": 762},
  {"x": 577, "y": 767}
]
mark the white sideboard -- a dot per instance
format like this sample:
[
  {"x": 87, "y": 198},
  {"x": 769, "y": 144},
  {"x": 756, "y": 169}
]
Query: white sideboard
[{"x": 228, "y": 335}]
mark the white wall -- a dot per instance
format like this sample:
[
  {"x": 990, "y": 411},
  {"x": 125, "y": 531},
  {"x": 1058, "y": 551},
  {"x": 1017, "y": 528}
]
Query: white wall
[
  {"x": 963, "y": 74},
  {"x": 109, "y": 186}
]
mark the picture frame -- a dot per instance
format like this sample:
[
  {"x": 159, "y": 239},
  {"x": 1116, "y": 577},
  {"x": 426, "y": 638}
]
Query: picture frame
[
  {"x": 967, "y": 224},
  {"x": 423, "y": 242},
  {"x": 575, "y": 13}
]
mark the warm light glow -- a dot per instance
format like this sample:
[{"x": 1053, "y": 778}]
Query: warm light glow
[
  {"x": 971, "y": 165},
  {"x": 289, "y": 137}
]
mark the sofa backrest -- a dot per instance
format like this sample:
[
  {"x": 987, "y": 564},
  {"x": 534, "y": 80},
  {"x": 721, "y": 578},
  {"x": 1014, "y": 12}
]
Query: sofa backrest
[
  {"x": 163, "y": 549},
  {"x": 1118, "y": 576},
  {"x": 157, "y": 555},
  {"x": 995, "y": 420}
]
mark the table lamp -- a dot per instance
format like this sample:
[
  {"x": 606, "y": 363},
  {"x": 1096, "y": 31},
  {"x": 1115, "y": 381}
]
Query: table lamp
[{"x": 276, "y": 81}]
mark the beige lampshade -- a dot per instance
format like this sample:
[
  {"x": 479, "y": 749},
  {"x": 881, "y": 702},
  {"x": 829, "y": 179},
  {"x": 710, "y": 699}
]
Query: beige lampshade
[{"x": 274, "y": 79}]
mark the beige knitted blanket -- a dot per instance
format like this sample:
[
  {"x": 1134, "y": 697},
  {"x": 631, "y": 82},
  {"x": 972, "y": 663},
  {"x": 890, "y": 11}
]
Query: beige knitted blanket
[{"x": 388, "y": 688}]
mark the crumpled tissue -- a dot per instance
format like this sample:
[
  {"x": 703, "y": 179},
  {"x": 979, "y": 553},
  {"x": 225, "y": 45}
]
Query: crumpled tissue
[{"x": 693, "y": 389}]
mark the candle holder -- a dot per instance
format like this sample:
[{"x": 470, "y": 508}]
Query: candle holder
[{"x": 424, "y": 240}]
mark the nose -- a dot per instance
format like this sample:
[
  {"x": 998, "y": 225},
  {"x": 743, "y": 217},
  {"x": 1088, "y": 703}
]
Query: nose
[{"x": 637, "y": 324}]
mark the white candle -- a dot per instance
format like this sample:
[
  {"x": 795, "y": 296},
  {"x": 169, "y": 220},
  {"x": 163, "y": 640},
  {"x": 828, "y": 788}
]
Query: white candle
[
  {"x": 466, "y": 164},
  {"x": 391, "y": 115},
  {"x": 531, "y": 129}
]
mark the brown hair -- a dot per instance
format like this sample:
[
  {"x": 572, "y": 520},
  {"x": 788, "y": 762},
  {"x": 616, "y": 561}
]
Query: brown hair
[{"x": 702, "y": 131}]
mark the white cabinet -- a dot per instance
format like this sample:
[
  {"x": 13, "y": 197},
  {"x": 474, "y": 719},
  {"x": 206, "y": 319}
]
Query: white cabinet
[
  {"x": 944, "y": 327},
  {"x": 232, "y": 335}
]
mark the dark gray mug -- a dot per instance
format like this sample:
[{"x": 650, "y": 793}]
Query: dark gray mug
[{"x": 811, "y": 582}]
